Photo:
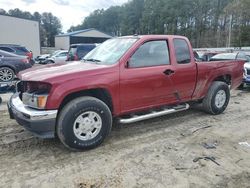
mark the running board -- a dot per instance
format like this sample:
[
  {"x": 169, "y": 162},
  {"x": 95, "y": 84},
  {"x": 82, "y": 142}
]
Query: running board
[{"x": 154, "y": 114}]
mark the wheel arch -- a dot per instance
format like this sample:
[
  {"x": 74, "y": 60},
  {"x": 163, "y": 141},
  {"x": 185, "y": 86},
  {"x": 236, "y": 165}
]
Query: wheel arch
[
  {"x": 224, "y": 78},
  {"x": 203, "y": 88},
  {"x": 9, "y": 66},
  {"x": 99, "y": 93}
]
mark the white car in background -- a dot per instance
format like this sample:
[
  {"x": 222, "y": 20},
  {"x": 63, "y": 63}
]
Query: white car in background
[{"x": 59, "y": 56}]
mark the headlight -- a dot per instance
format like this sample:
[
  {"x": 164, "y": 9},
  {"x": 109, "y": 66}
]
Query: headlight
[
  {"x": 36, "y": 94},
  {"x": 34, "y": 100}
]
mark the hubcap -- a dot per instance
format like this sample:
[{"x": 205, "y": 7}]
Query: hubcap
[
  {"x": 220, "y": 98},
  {"x": 87, "y": 125},
  {"x": 5, "y": 74}
]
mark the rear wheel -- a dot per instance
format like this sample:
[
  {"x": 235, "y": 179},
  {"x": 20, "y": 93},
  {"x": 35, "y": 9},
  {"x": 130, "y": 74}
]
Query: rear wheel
[
  {"x": 6, "y": 74},
  {"x": 84, "y": 123},
  {"x": 217, "y": 98}
]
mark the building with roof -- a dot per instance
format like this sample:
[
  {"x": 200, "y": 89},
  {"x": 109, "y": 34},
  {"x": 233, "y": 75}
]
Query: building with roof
[
  {"x": 21, "y": 32},
  {"x": 92, "y": 35}
]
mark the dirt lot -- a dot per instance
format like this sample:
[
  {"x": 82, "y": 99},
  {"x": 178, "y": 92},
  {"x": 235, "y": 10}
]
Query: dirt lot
[{"x": 153, "y": 153}]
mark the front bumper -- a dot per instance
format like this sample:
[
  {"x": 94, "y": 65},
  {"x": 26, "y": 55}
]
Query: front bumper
[{"x": 42, "y": 123}]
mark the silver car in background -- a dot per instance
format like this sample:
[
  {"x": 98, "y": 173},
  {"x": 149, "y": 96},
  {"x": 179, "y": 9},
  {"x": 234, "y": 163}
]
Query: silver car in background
[{"x": 59, "y": 56}]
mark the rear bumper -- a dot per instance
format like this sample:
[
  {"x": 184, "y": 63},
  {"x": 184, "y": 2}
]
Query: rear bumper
[{"x": 42, "y": 123}]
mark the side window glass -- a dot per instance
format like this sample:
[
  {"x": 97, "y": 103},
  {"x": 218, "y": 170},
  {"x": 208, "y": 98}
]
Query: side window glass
[
  {"x": 182, "y": 51},
  {"x": 62, "y": 54},
  {"x": 6, "y": 49},
  {"x": 151, "y": 53}
]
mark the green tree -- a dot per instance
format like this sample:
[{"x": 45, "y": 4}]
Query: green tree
[
  {"x": 205, "y": 22},
  {"x": 52, "y": 26}
]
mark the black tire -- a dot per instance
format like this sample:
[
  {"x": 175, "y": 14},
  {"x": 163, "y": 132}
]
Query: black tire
[
  {"x": 10, "y": 77},
  {"x": 70, "y": 113},
  {"x": 209, "y": 102}
]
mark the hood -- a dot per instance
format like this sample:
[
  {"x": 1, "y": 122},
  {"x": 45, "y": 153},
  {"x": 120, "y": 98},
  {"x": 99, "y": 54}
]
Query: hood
[{"x": 47, "y": 73}]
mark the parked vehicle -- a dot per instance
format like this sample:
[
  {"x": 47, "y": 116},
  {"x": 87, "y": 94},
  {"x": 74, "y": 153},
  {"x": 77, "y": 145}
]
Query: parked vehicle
[
  {"x": 129, "y": 78},
  {"x": 206, "y": 56},
  {"x": 59, "y": 57},
  {"x": 230, "y": 56},
  {"x": 78, "y": 51},
  {"x": 18, "y": 50},
  {"x": 246, "y": 76},
  {"x": 11, "y": 64},
  {"x": 42, "y": 58}
]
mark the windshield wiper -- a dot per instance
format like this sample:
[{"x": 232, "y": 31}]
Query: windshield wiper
[{"x": 92, "y": 60}]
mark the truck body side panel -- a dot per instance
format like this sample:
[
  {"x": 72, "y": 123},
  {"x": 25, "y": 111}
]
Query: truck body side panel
[{"x": 211, "y": 71}]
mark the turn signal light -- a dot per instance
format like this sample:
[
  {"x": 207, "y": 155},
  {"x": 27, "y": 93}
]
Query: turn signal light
[{"x": 41, "y": 101}]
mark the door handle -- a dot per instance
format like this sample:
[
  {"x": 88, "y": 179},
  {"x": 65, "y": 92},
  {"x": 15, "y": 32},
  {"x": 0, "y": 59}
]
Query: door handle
[{"x": 168, "y": 72}]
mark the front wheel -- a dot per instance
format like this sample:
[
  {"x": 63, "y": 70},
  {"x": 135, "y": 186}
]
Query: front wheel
[
  {"x": 217, "y": 98},
  {"x": 84, "y": 123}
]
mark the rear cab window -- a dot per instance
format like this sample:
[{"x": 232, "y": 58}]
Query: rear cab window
[{"x": 182, "y": 52}]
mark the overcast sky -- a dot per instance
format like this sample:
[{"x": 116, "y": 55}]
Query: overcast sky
[{"x": 70, "y": 12}]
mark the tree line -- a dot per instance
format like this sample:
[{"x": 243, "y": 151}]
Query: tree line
[
  {"x": 50, "y": 25},
  {"x": 207, "y": 23}
]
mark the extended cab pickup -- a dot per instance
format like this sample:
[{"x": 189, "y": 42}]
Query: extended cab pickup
[{"x": 129, "y": 78}]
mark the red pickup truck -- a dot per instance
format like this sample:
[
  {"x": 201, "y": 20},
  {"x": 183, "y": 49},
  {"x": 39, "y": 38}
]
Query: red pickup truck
[{"x": 130, "y": 78}]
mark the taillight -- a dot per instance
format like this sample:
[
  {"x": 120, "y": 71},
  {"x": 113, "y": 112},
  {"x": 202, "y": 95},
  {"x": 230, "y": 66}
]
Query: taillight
[{"x": 29, "y": 54}]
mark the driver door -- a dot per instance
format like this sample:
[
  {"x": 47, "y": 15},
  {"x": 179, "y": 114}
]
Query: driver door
[{"x": 146, "y": 80}]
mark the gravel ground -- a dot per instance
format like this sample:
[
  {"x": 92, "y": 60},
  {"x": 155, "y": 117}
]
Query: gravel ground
[{"x": 155, "y": 153}]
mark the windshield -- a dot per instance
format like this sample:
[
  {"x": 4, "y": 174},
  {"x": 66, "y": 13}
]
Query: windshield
[{"x": 110, "y": 51}]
